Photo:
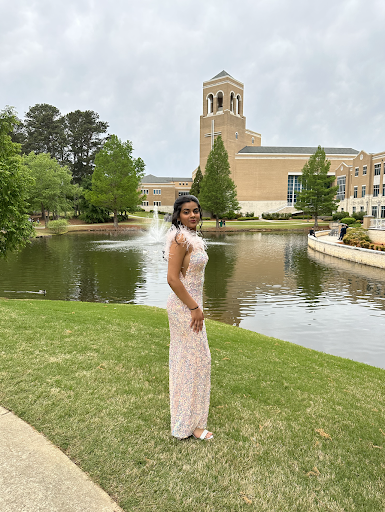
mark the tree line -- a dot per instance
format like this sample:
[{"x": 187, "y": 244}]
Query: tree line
[{"x": 53, "y": 164}]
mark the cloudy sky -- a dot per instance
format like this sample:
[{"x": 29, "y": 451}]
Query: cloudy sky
[{"x": 314, "y": 71}]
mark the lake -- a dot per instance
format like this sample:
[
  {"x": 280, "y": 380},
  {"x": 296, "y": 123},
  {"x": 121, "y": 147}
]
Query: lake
[{"x": 266, "y": 282}]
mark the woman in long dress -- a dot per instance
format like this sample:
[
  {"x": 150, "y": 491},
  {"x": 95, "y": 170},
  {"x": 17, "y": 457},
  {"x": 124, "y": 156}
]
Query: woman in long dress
[{"x": 190, "y": 360}]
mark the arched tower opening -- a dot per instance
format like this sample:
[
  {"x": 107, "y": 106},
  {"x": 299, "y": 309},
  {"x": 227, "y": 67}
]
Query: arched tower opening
[
  {"x": 238, "y": 106},
  {"x": 210, "y": 104},
  {"x": 220, "y": 101},
  {"x": 232, "y": 102}
]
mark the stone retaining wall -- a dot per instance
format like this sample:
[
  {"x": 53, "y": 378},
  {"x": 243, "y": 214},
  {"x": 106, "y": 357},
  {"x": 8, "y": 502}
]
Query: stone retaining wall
[
  {"x": 346, "y": 252},
  {"x": 377, "y": 236}
]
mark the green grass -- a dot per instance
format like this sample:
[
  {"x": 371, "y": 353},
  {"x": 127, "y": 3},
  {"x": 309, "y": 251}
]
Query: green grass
[
  {"x": 267, "y": 224},
  {"x": 295, "y": 429}
]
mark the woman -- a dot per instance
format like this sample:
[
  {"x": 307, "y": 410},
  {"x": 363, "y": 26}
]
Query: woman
[{"x": 190, "y": 360}]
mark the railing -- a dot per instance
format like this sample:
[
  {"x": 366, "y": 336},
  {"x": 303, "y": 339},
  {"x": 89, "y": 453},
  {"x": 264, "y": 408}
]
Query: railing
[{"x": 377, "y": 224}]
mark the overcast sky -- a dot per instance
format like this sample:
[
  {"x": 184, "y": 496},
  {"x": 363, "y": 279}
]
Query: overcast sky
[{"x": 314, "y": 71}]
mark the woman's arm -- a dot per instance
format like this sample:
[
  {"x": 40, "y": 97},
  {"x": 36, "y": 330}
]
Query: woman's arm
[{"x": 175, "y": 262}]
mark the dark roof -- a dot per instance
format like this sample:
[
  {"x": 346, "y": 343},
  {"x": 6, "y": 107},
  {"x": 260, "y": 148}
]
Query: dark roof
[
  {"x": 221, "y": 74},
  {"x": 297, "y": 150},
  {"x": 150, "y": 178}
]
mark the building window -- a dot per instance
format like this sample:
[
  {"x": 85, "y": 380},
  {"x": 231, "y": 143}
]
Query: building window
[
  {"x": 293, "y": 186},
  {"x": 377, "y": 169},
  {"x": 232, "y": 102},
  {"x": 363, "y": 191},
  {"x": 236, "y": 135},
  {"x": 341, "y": 182},
  {"x": 383, "y": 189},
  {"x": 361, "y": 208},
  {"x": 374, "y": 211},
  {"x": 184, "y": 193},
  {"x": 180, "y": 184},
  {"x": 157, "y": 191},
  {"x": 144, "y": 203},
  {"x": 382, "y": 212},
  {"x": 355, "y": 192},
  {"x": 144, "y": 191},
  {"x": 354, "y": 209},
  {"x": 376, "y": 190},
  {"x": 157, "y": 203},
  {"x": 356, "y": 171},
  {"x": 252, "y": 140},
  {"x": 364, "y": 170}
]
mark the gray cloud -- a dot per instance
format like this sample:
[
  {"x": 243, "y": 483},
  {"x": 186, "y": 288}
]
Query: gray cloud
[{"x": 313, "y": 71}]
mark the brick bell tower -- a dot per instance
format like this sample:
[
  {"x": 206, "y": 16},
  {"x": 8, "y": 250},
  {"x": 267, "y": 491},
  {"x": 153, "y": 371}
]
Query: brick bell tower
[{"x": 223, "y": 115}]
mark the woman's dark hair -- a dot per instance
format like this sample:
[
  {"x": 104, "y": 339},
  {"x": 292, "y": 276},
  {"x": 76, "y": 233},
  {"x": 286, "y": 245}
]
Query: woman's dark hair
[{"x": 178, "y": 207}]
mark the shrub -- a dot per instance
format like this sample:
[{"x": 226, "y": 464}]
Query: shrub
[
  {"x": 249, "y": 218},
  {"x": 58, "y": 227},
  {"x": 276, "y": 216},
  {"x": 359, "y": 215},
  {"x": 339, "y": 215},
  {"x": 355, "y": 236},
  {"x": 348, "y": 220},
  {"x": 206, "y": 218}
]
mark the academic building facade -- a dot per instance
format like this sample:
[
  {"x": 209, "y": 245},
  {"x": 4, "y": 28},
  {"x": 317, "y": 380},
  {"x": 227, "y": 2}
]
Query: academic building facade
[{"x": 267, "y": 177}]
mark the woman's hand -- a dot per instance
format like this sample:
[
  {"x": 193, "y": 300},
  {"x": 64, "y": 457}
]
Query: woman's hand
[{"x": 197, "y": 318}]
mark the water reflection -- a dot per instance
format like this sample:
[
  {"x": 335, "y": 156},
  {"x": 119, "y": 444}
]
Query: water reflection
[{"x": 269, "y": 283}]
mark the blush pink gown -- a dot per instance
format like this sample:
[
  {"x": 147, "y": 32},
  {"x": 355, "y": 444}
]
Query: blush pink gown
[{"x": 190, "y": 360}]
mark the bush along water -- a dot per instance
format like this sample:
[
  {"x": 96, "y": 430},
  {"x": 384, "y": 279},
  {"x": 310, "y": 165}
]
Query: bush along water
[
  {"x": 358, "y": 237},
  {"x": 58, "y": 227}
]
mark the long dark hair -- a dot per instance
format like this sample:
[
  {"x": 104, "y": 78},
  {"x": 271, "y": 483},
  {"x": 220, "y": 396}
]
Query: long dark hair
[{"x": 178, "y": 208}]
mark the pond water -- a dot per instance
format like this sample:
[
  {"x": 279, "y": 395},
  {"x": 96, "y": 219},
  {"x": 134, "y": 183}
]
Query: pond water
[{"x": 268, "y": 283}]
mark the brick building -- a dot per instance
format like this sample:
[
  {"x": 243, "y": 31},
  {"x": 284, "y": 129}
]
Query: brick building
[{"x": 267, "y": 177}]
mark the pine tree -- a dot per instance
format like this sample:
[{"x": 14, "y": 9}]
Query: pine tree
[
  {"x": 218, "y": 192},
  {"x": 318, "y": 195},
  {"x": 196, "y": 186}
]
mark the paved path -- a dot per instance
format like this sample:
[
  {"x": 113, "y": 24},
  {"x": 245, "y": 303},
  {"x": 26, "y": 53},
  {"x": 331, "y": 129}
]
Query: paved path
[{"x": 35, "y": 476}]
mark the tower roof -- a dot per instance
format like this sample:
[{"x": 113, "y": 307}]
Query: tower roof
[{"x": 221, "y": 74}]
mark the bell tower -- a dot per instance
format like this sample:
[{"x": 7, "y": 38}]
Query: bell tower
[{"x": 223, "y": 115}]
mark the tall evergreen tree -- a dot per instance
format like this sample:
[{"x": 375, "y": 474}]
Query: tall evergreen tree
[
  {"x": 317, "y": 196},
  {"x": 15, "y": 228},
  {"x": 217, "y": 191},
  {"x": 84, "y": 139},
  {"x": 116, "y": 178},
  {"x": 196, "y": 186},
  {"x": 44, "y": 131}
]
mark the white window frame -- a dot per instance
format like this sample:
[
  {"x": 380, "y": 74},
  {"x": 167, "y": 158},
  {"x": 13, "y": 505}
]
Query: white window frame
[
  {"x": 356, "y": 171},
  {"x": 157, "y": 203},
  {"x": 377, "y": 169},
  {"x": 144, "y": 191},
  {"x": 144, "y": 203},
  {"x": 157, "y": 191},
  {"x": 364, "y": 170}
]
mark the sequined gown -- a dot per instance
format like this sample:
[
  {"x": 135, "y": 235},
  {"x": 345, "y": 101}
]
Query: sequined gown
[{"x": 190, "y": 360}]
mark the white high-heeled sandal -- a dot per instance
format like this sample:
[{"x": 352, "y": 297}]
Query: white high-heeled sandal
[{"x": 203, "y": 436}]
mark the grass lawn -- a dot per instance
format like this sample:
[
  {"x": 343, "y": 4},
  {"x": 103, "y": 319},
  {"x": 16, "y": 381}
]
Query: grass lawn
[{"x": 295, "y": 429}]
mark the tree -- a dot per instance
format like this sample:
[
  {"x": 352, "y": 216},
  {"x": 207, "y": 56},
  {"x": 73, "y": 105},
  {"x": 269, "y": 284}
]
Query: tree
[
  {"x": 84, "y": 139},
  {"x": 116, "y": 177},
  {"x": 196, "y": 186},
  {"x": 218, "y": 191},
  {"x": 44, "y": 131},
  {"x": 318, "y": 195},
  {"x": 51, "y": 189},
  {"x": 15, "y": 228}
]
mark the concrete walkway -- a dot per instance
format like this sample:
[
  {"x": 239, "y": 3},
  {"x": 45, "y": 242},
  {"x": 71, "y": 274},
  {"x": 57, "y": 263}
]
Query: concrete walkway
[{"x": 35, "y": 476}]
